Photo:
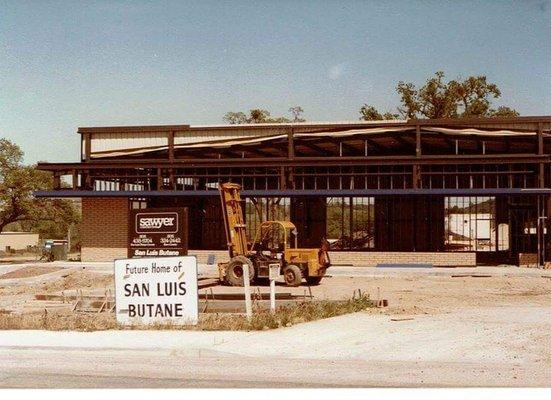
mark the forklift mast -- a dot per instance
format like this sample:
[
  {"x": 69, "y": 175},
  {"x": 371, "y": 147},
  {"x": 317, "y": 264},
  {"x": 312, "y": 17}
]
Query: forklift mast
[{"x": 234, "y": 223}]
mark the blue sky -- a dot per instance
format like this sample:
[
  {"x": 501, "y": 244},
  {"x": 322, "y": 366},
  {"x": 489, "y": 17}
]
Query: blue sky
[{"x": 76, "y": 63}]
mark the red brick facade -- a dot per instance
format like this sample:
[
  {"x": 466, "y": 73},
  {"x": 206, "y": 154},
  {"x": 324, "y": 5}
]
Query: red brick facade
[
  {"x": 104, "y": 228},
  {"x": 372, "y": 258},
  {"x": 105, "y": 238}
]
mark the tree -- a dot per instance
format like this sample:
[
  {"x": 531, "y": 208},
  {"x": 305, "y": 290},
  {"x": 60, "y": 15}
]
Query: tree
[
  {"x": 296, "y": 113},
  {"x": 471, "y": 97},
  {"x": 17, "y": 184},
  {"x": 261, "y": 116},
  {"x": 370, "y": 113},
  {"x": 504, "y": 111},
  {"x": 235, "y": 118}
]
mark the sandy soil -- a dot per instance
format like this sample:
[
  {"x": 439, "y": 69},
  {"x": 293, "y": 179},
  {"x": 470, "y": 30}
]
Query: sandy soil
[
  {"x": 412, "y": 294},
  {"x": 430, "y": 295},
  {"x": 27, "y": 272},
  {"x": 17, "y": 294},
  {"x": 438, "y": 330}
]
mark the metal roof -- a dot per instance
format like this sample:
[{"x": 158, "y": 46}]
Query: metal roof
[{"x": 545, "y": 119}]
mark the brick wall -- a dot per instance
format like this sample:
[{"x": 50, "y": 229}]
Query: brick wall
[
  {"x": 370, "y": 259},
  {"x": 202, "y": 255},
  {"x": 105, "y": 237},
  {"x": 104, "y": 229},
  {"x": 528, "y": 260}
]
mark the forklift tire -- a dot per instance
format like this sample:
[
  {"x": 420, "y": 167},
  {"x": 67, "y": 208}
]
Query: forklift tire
[
  {"x": 314, "y": 280},
  {"x": 292, "y": 275},
  {"x": 234, "y": 270}
]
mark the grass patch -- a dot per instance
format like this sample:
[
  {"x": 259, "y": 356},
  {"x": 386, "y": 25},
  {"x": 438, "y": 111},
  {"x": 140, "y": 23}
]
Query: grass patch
[{"x": 262, "y": 319}]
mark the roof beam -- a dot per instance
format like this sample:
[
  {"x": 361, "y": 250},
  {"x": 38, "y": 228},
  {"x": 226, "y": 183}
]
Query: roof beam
[
  {"x": 376, "y": 145},
  {"x": 344, "y": 145},
  {"x": 313, "y": 146},
  {"x": 294, "y": 193},
  {"x": 301, "y": 161},
  {"x": 402, "y": 140}
]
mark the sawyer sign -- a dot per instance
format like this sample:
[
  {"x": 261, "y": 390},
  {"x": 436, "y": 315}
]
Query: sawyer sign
[
  {"x": 158, "y": 233},
  {"x": 156, "y": 290}
]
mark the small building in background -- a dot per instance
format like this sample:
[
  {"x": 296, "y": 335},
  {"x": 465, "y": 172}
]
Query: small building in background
[{"x": 18, "y": 241}]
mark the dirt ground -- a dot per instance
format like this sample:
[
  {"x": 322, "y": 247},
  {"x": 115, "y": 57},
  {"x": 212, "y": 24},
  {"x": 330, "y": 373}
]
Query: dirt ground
[
  {"x": 27, "y": 272},
  {"x": 407, "y": 295},
  {"x": 438, "y": 330},
  {"x": 440, "y": 294},
  {"x": 19, "y": 286}
]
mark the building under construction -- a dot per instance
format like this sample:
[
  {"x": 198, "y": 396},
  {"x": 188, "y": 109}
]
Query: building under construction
[{"x": 446, "y": 192}]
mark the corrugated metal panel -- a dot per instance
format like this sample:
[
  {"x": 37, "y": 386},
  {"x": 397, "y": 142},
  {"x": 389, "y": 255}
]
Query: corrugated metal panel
[
  {"x": 104, "y": 142},
  {"x": 526, "y": 126},
  {"x": 197, "y": 135},
  {"x": 110, "y": 144},
  {"x": 119, "y": 141}
]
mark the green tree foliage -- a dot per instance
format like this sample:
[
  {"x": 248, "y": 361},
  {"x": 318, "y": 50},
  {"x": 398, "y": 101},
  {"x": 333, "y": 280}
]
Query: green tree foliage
[
  {"x": 234, "y": 118},
  {"x": 438, "y": 98},
  {"x": 370, "y": 113},
  {"x": 504, "y": 111},
  {"x": 261, "y": 116},
  {"x": 296, "y": 112},
  {"x": 17, "y": 204},
  {"x": 360, "y": 235}
]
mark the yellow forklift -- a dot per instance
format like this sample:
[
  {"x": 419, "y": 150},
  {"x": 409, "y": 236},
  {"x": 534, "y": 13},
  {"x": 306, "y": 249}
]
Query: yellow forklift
[{"x": 275, "y": 243}]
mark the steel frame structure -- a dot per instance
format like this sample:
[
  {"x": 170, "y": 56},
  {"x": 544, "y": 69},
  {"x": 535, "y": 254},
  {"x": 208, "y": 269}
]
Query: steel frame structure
[{"x": 451, "y": 157}]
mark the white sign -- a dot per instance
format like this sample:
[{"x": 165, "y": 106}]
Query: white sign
[
  {"x": 273, "y": 272},
  {"x": 156, "y": 290}
]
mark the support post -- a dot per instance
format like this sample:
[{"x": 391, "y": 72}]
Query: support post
[
  {"x": 274, "y": 272},
  {"x": 87, "y": 146},
  {"x": 417, "y": 140},
  {"x": 291, "y": 156},
  {"x": 538, "y": 230},
  {"x": 541, "y": 174},
  {"x": 171, "y": 146},
  {"x": 291, "y": 144},
  {"x": 282, "y": 178},
  {"x": 57, "y": 182},
  {"x": 171, "y": 179},
  {"x": 75, "y": 179},
  {"x": 416, "y": 173},
  {"x": 159, "y": 179},
  {"x": 272, "y": 296},
  {"x": 416, "y": 176},
  {"x": 247, "y": 286}
]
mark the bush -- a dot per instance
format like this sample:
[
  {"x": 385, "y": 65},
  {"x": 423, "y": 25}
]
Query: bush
[{"x": 262, "y": 319}]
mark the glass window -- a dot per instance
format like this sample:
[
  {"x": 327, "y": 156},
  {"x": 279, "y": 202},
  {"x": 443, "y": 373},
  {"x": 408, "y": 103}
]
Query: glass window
[
  {"x": 350, "y": 223},
  {"x": 265, "y": 209},
  {"x": 471, "y": 224},
  {"x": 138, "y": 204}
]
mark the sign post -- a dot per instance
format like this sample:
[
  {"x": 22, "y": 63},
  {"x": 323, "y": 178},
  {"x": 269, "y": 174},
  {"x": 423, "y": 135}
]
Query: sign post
[
  {"x": 273, "y": 275},
  {"x": 156, "y": 290},
  {"x": 247, "y": 286}
]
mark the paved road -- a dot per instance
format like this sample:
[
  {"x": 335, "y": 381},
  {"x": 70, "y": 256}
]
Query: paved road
[
  {"x": 496, "y": 346},
  {"x": 84, "y": 368}
]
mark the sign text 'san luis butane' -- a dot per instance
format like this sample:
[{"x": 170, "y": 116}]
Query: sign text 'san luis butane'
[{"x": 156, "y": 290}]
